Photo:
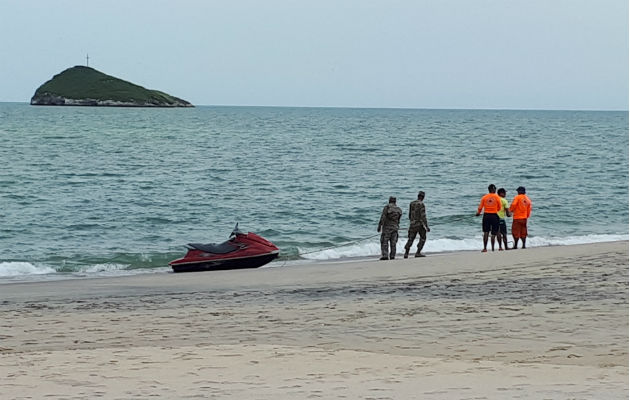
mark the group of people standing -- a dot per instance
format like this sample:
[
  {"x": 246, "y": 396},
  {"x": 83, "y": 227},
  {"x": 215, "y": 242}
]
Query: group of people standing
[
  {"x": 495, "y": 210},
  {"x": 388, "y": 224}
]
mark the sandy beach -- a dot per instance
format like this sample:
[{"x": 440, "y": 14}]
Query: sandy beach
[{"x": 541, "y": 323}]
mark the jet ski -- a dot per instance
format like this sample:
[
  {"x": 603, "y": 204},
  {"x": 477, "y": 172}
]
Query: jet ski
[{"x": 241, "y": 250}]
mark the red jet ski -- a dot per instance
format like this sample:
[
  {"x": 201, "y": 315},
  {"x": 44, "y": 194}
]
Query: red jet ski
[{"x": 241, "y": 250}]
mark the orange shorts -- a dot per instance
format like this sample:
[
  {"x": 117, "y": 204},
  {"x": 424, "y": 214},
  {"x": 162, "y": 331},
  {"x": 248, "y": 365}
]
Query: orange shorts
[{"x": 519, "y": 228}]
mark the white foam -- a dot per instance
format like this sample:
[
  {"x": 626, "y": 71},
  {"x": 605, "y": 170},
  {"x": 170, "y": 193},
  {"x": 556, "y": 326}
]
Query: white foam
[
  {"x": 351, "y": 250},
  {"x": 568, "y": 240},
  {"x": 373, "y": 248},
  {"x": 114, "y": 269},
  {"x": 103, "y": 268},
  {"x": 20, "y": 268}
]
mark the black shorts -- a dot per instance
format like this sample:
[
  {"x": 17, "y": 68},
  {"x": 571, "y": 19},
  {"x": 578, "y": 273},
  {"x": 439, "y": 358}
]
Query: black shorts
[
  {"x": 502, "y": 227},
  {"x": 490, "y": 223}
]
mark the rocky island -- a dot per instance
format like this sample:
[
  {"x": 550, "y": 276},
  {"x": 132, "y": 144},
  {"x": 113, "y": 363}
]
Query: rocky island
[{"x": 85, "y": 86}]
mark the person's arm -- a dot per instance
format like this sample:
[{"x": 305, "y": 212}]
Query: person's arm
[
  {"x": 380, "y": 221},
  {"x": 480, "y": 207},
  {"x": 513, "y": 205},
  {"x": 503, "y": 206},
  {"x": 423, "y": 218}
]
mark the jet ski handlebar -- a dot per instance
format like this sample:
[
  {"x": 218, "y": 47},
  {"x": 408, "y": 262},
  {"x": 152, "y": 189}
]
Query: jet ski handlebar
[{"x": 236, "y": 231}]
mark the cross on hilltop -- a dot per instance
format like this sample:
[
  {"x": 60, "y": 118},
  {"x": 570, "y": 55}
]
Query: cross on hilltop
[{"x": 87, "y": 60}]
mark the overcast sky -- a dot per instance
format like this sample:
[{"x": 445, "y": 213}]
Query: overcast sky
[{"x": 503, "y": 54}]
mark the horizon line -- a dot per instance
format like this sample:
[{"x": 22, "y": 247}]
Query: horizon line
[{"x": 375, "y": 108}]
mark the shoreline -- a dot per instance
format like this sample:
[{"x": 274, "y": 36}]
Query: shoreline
[
  {"x": 546, "y": 322},
  {"x": 456, "y": 263},
  {"x": 292, "y": 263}
]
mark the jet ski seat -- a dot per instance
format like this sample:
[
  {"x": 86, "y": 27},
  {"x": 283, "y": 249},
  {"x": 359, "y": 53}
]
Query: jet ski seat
[{"x": 221, "y": 248}]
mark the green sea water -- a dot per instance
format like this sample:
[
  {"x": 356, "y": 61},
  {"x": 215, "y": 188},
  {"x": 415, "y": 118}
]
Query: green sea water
[{"x": 94, "y": 191}]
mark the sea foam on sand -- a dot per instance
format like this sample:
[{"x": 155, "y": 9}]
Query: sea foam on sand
[{"x": 548, "y": 322}]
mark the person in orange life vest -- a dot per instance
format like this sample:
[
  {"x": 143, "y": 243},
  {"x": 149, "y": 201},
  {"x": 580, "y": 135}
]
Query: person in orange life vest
[
  {"x": 491, "y": 205},
  {"x": 521, "y": 209}
]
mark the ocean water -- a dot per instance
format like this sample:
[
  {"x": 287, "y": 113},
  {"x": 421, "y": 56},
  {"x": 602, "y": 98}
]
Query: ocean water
[{"x": 109, "y": 191}]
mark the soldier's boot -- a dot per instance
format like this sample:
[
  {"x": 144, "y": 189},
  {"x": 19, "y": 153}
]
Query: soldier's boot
[
  {"x": 406, "y": 252},
  {"x": 420, "y": 246}
]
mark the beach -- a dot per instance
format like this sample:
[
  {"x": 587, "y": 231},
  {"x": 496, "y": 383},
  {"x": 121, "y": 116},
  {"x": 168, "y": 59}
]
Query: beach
[{"x": 542, "y": 323}]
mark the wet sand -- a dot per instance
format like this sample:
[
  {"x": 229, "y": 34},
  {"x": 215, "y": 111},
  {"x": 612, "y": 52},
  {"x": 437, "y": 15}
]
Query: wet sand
[{"x": 541, "y": 323}]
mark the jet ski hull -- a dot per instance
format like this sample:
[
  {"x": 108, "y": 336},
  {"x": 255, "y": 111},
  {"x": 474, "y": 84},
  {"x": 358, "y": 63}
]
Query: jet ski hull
[
  {"x": 241, "y": 250},
  {"x": 223, "y": 264}
]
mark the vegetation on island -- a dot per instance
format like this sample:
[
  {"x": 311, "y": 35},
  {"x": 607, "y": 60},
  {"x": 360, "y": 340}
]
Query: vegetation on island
[{"x": 85, "y": 86}]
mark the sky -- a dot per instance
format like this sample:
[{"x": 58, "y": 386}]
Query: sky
[{"x": 471, "y": 54}]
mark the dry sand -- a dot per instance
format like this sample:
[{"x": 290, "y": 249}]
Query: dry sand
[{"x": 541, "y": 323}]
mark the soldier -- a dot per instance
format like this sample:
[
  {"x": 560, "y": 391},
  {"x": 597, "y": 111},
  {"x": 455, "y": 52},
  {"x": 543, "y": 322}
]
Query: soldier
[
  {"x": 417, "y": 225},
  {"x": 390, "y": 217}
]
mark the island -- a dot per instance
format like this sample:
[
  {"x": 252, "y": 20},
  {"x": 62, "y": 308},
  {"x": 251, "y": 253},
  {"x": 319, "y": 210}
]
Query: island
[{"x": 85, "y": 86}]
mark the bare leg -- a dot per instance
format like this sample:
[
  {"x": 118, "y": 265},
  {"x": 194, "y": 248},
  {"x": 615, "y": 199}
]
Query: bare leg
[
  {"x": 523, "y": 242},
  {"x": 485, "y": 241},
  {"x": 492, "y": 239}
]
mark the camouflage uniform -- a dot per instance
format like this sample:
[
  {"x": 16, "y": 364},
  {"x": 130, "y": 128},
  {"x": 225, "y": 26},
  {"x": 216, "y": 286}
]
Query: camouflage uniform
[
  {"x": 390, "y": 217},
  {"x": 417, "y": 225}
]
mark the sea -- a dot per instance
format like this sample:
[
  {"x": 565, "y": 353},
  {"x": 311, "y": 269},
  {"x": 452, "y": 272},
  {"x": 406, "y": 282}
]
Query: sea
[{"x": 90, "y": 192}]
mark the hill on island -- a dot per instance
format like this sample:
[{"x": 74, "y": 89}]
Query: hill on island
[{"x": 85, "y": 86}]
